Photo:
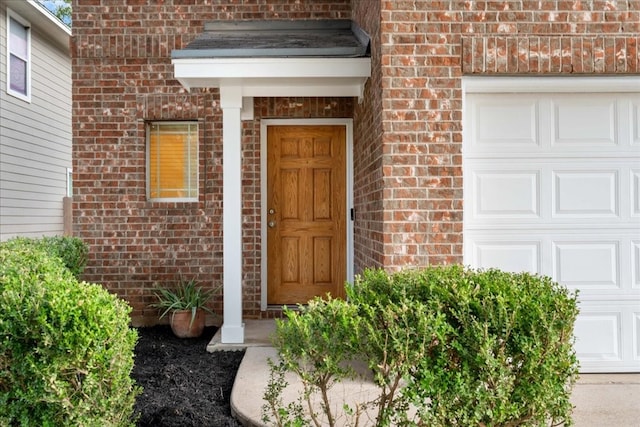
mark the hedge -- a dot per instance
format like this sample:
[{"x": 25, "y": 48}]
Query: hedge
[
  {"x": 66, "y": 349},
  {"x": 445, "y": 345}
]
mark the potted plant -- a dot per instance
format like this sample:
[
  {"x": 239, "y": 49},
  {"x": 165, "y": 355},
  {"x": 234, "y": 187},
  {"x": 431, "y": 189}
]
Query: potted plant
[{"x": 186, "y": 305}]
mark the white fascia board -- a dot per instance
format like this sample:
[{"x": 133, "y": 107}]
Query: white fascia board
[
  {"x": 277, "y": 76},
  {"x": 271, "y": 67}
]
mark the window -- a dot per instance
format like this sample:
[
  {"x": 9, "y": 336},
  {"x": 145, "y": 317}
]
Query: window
[
  {"x": 18, "y": 57},
  {"x": 172, "y": 161}
]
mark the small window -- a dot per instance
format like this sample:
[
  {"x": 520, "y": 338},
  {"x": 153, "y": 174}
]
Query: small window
[
  {"x": 172, "y": 161},
  {"x": 18, "y": 57}
]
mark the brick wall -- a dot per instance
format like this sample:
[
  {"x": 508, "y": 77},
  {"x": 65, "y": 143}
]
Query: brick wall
[
  {"x": 557, "y": 37},
  {"x": 427, "y": 47},
  {"x": 407, "y": 132},
  {"x": 368, "y": 150},
  {"x": 123, "y": 77}
]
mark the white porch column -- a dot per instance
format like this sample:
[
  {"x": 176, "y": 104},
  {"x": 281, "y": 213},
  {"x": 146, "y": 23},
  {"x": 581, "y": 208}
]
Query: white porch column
[{"x": 231, "y": 103}]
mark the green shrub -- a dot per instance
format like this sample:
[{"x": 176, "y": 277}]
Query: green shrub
[
  {"x": 507, "y": 355},
  {"x": 316, "y": 344},
  {"x": 71, "y": 250},
  {"x": 395, "y": 334},
  {"x": 457, "y": 346},
  {"x": 66, "y": 349}
]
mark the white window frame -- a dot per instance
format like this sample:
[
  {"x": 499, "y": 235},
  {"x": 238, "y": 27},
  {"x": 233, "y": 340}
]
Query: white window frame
[
  {"x": 11, "y": 15},
  {"x": 148, "y": 162}
]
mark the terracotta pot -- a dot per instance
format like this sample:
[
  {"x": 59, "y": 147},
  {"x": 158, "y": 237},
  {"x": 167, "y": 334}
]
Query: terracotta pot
[{"x": 182, "y": 326}]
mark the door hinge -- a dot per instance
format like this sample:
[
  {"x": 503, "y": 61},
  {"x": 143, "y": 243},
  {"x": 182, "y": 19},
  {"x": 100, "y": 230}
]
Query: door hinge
[{"x": 353, "y": 214}]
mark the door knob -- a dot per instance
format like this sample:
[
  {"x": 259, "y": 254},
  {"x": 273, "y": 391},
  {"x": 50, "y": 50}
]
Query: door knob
[{"x": 271, "y": 224}]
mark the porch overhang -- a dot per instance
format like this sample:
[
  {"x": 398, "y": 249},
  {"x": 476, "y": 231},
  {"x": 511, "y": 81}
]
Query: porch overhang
[
  {"x": 278, "y": 58},
  {"x": 277, "y": 76},
  {"x": 247, "y": 59}
]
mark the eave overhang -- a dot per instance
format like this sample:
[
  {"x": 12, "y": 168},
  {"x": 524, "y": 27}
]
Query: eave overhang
[
  {"x": 277, "y": 76},
  {"x": 277, "y": 58}
]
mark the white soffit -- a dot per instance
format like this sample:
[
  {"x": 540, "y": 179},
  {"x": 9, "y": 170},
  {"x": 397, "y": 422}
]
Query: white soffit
[{"x": 277, "y": 76}]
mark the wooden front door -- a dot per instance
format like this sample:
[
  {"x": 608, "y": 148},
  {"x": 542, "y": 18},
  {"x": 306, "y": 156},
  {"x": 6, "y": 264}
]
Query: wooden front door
[{"x": 306, "y": 213}]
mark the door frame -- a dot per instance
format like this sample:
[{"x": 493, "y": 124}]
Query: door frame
[{"x": 264, "y": 123}]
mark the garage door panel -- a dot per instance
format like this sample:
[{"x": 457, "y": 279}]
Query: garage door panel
[
  {"x": 607, "y": 336},
  {"x": 585, "y": 193},
  {"x": 635, "y": 123},
  {"x": 584, "y": 120},
  {"x": 635, "y": 193},
  {"x": 587, "y": 265},
  {"x": 505, "y": 122},
  {"x": 506, "y": 194},
  {"x": 599, "y": 263},
  {"x": 513, "y": 256},
  {"x": 598, "y": 336},
  {"x": 588, "y": 125},
  {"x": 552, "y": 186},
  {"x": 551, "y": 191},
  {"x": 636, "y": 335},
  {"x": 635, "y": 264}
]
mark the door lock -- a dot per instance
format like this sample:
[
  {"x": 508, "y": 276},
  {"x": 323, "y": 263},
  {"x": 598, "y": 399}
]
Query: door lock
[{"x": 272, "y": 211}]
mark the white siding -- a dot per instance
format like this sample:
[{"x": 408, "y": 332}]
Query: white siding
[{"x": 35, "y": 140}]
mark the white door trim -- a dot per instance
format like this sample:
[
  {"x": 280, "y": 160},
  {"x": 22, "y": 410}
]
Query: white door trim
[{"x": 348, "y": 124}]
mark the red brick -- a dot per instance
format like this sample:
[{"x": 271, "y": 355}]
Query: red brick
[{"x": 407, "y": 131}]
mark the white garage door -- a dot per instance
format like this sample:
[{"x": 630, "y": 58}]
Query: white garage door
[{"x": 552, "y": 186}]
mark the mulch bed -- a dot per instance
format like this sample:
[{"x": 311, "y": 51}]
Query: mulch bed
[{"x": 183, "y": 384}]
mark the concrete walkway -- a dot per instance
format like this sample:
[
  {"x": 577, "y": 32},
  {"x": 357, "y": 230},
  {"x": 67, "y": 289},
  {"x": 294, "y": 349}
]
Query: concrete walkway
[{"x": 601, "y": 400}]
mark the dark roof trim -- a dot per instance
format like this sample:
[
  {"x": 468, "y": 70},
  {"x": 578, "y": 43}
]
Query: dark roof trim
[{"x": 279, "y": 38}]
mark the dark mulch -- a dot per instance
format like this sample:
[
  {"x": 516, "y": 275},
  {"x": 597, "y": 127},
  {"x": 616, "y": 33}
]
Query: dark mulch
[{"x": 183, "y": 385}]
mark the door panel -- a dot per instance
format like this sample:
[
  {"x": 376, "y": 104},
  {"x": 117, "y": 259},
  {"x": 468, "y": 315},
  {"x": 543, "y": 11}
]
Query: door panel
[{"x": 306, "y": 213}]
